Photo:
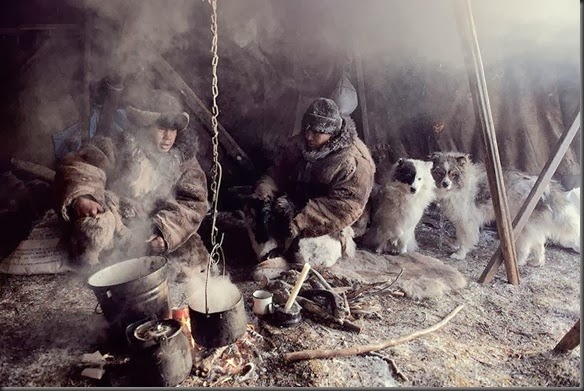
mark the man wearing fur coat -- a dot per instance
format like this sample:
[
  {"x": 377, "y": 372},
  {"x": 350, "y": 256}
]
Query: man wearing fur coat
[
  {"x": 137, "y": 192},
  {"x": 320, "y": 183}
]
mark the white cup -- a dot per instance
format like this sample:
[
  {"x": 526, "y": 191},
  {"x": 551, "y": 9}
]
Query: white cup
[{"x": 262, "y": 302}]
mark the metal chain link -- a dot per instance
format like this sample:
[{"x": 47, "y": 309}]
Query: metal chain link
[{"x": 216, "y": 253}]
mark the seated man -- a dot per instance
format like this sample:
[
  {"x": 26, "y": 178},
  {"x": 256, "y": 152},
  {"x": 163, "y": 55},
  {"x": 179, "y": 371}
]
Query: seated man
[
  {"x": 317, "y": 188},
  {"x": 137, "y": 192}
]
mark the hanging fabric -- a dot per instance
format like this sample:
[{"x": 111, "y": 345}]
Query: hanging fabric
[{"x": 345, "y": 95}]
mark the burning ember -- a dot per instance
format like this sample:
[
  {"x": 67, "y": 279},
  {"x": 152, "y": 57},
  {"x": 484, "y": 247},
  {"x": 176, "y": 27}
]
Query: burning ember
[{"x": 219, "y": 365}]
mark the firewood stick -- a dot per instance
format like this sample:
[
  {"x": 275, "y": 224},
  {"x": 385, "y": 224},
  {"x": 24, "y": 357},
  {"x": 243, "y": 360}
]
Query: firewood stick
[
  {"x": 328, "y": 353},
  {"x": 322, "y": 280},
  {"x": 315, "y": 309}
]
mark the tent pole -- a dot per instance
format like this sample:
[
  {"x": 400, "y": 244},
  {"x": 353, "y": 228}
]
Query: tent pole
[
  {"x": 534, "y": 195},
  {"x": 480, "y": 97}
]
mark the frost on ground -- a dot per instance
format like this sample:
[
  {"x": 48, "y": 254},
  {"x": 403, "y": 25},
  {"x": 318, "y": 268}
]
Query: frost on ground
[{"x": 502, "y": 337}]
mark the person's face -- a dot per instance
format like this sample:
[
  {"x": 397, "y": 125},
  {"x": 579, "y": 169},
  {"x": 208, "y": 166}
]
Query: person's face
[
  {"x": 315, "y": 140},
  {"x": 164, "y": 139}
]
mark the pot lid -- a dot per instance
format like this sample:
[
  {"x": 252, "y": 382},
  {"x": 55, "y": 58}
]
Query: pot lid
[{"x": 156, "y": 329}]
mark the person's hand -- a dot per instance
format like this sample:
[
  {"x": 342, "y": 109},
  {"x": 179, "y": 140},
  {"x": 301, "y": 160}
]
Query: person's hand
[
  {"x": 85, "y": 206},
  {"x": 293, "y": 230},
  {"x": 156, "y": 244}
]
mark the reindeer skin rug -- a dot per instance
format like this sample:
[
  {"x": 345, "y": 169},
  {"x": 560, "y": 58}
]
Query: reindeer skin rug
[{"x": 422, "y": 277}]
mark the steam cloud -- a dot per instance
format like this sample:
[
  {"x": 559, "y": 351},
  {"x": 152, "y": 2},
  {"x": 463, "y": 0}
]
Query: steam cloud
[{"x": 222, "y": 294}]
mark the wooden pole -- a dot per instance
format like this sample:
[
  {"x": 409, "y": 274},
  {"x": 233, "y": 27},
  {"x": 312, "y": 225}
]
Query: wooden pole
[
  {"x": 361, "y": 95},
  {"x": 196, "y": 104},
  {"x": 534, "y": 195},
  {"x": 85, "y": 95},
  {"x": 360, "y": 349},
  {"x": 480, "y": 97},
  {"x": 570, "y": 340},
  {"x": 114, "y": 88}
]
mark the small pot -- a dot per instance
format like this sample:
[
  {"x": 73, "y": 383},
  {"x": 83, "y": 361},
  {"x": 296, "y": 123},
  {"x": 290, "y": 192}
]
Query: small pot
[
  {"x": 216, "y": 329},
  {"x": 282, "y": 318}
]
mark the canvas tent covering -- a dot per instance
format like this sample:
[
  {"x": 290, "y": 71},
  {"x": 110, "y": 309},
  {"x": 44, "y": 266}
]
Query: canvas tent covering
[{"x": 275, "y": 56}]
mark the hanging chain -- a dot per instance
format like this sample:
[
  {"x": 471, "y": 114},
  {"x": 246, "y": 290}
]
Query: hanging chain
[{"x": 216, "y": 253}]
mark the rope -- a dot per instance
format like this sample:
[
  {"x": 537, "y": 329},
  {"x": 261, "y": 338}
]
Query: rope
[{"x": 216, "y": 253}]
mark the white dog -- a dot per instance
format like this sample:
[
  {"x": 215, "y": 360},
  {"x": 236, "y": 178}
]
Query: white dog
[
  {"x": 398, "y": 206},
  {"x": 463, "y": 194}
]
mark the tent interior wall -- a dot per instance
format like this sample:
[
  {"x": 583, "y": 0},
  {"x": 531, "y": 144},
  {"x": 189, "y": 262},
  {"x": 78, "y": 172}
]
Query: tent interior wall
[{"x": 275, "y": 56}]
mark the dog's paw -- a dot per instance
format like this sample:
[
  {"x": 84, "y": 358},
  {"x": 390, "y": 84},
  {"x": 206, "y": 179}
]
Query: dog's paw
[
  {"x": 536, "y": 261},
  {"x": 458, "y": 255}
]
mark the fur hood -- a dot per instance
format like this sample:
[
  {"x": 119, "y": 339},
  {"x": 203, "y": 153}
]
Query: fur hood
[{"x": 343, "y": 140}]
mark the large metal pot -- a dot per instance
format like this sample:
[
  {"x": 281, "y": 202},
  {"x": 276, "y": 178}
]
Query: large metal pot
[
  {"x": 161, "y": 353},
  {"x": 132, "y": 290},
  {"x": 215, "y": 329}
]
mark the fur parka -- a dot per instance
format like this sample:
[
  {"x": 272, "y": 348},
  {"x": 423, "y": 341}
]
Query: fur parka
[
  {"x": 329, "y": 186},
  {"x": 151, "y": 192}
]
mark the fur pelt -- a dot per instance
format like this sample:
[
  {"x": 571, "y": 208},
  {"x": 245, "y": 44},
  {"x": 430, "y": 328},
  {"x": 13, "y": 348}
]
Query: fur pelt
[
  {"x": 421, "y": 276},
  {"x": 398, "y": 206},
  {"x": 331, "y": 191},
  {"x": 145, "y": 192},
  {"x": 463, "y": 194}
]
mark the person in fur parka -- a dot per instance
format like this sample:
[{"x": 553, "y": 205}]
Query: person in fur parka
[
  {"x": 137, "y": 192},
  {"x": 322, "y": 177}
]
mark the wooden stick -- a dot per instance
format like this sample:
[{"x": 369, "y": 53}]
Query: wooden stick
[
  {"x": 85, "y": 111},
  {"x": 570, "y": 340},
  {"x": 201, "y": 111},
  {"x": 480, "y": 98},
  {"x": 534, "y": 195},
  {"x": 391, "y": 362},
  {"x": 328, "y": 353}
]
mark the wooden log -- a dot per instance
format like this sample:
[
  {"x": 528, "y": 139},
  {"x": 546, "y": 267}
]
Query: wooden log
[
  {"x": 38, "y": 171},
  {"x": 534, "y": 195},
  {"x": 480, "y": 98},
  {"x": 328, "y": 353},
  {"x": 202, "y": 112},
  {"x": 570, "y": 340}
]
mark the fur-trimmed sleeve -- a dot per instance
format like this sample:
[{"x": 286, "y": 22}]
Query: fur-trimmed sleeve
[
  {"x": 180, "y": 218},
  {"x": 343, "y": 204},
  {"x": 84, "y": 173}
]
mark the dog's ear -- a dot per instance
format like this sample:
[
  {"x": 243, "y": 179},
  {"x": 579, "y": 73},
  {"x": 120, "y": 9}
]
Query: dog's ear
[
  {"x": 435, "y": 158},
  {"x": 431, "y": 164},
  {"x": 462, "y": 160}
]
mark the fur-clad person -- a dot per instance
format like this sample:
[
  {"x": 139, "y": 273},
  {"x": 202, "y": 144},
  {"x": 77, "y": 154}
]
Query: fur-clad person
[
  {"x": 322, "y": 179},
  {"x": 137, "y": 192}
]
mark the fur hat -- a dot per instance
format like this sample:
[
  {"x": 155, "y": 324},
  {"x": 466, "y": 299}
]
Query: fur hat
[
  {"x": 322, "y": 116},
  {"x": 157, "y": 108}
]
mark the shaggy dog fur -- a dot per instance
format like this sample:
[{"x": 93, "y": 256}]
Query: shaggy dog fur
[
  {"x": 398, "y": 206},
  {"x": 464, "y": 196}
]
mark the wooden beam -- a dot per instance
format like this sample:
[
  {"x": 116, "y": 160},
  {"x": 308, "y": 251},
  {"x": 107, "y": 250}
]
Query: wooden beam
[
  {"x": 15, "y": 30},
  {"x": 85, "y": 112},
  {"x": 570, "y": 340},
  {"x": 480, "y": 97},
  {"x": 534, "y": 195},
  {"x": 361, "y": 95},
  {"x": 196, "y": 104}
]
